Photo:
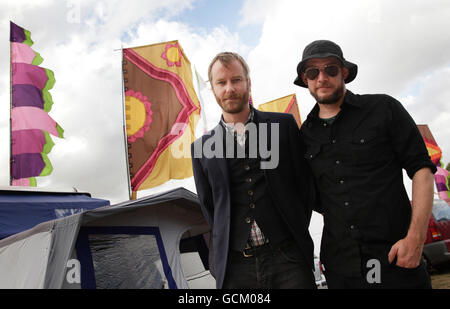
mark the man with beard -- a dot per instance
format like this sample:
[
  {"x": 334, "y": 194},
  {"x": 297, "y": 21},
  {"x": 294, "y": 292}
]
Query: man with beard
[
  {"x": 357, "y": 146},
  {"x": 258, "y": 206}
]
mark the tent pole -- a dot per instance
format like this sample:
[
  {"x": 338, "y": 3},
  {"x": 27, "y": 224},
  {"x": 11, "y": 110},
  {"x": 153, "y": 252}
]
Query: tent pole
[{"x": 133, "y": 195}]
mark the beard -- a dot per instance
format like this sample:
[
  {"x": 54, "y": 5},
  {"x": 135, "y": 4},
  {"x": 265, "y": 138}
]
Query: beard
[
  {"x": 235, "y": 107},
  {"x": 331, "y": 98}
]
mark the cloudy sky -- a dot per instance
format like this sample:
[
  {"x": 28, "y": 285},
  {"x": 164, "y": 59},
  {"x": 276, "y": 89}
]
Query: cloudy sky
[{"x": 402, "y": 48}]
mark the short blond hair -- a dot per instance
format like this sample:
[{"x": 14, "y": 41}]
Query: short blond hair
[{"x": 226, "y": 58}]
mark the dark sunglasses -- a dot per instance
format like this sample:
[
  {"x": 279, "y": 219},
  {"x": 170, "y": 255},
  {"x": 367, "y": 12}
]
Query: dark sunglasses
[{"x": 330, "y": 70}]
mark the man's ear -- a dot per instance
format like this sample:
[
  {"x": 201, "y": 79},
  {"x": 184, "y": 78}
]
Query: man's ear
[
  {"x": 305, "y": 80},
  {"x": 345, "y": 73}
]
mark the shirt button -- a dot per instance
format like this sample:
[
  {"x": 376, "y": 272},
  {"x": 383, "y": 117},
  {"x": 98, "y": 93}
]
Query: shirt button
[
  {"x": 338, "y": 162},
  {"x": 324, "y": 124},
  {"x": 252, "y": 206},
  {"x": 247, "y": 168},
  {"x": 248, "y": 220},
  {"x": 250, "y": 192},
  {"x": 249, "y": 180}
]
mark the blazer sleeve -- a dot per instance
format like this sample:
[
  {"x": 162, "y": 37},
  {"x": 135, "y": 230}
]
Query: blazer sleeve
[
  {"x": 303, "y": 173},
  {"x": 203, "y": 187}
]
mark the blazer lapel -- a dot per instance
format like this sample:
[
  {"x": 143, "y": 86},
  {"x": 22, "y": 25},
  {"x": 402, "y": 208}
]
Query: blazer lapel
[
  {"x": 221, "y": 160},
  {"x": 262, "y": 118}
]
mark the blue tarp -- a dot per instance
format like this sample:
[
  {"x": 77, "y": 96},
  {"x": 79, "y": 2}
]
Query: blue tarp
[{"x": 20, "y": 211}]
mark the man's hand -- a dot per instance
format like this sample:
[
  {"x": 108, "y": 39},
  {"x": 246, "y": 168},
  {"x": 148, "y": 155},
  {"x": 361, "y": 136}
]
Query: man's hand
[
  {"x": 409, "y": 249},
  {"x": 408, "y": 252}
]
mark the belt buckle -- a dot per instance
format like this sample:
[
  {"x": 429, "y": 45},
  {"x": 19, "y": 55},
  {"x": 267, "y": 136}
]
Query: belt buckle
[{"x": 245, "y": 254}]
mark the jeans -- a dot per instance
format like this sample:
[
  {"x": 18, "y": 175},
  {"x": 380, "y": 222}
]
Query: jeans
[
  {"x": 388, "y": 275},
  {"x": 270, "y": 267}
]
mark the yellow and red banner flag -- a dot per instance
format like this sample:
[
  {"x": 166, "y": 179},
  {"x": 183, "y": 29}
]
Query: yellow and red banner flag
[
  {"x": 287, "y": 104},
  {"x": 161, "y": 111}
]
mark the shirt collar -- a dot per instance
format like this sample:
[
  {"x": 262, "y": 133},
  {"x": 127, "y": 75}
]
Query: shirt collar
[
  {"x": 349, "y": 99},
  {"x": 230, "y": 127}
]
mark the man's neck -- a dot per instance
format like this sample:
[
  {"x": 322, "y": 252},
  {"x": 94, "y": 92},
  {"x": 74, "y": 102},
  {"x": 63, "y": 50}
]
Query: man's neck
[{"x": 327, "y": 111}]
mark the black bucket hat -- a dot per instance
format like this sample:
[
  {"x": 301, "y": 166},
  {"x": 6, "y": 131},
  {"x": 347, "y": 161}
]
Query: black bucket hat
[{"x": 324, "y": 49}]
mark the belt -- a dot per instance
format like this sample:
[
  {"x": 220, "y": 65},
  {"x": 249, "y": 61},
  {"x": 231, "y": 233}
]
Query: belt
[{"x": 250, "y": 251}]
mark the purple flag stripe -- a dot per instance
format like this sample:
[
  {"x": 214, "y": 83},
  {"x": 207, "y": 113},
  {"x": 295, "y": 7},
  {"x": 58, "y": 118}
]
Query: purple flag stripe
[
  {"x": 27, "y": 165},
  {"x": 27, "y": 141},
  {"x": 17, "y": 33},
  {"x": 27, "y": 95},
  {"x": 23, "y": 73},
  {"x": 441, "y": 186}
]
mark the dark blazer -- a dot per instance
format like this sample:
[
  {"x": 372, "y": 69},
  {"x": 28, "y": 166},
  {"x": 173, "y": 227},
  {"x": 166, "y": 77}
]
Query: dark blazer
[{"x": 290, "y": 183}]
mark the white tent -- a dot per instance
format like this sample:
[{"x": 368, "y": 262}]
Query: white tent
[{"x": 158, "y": 241}]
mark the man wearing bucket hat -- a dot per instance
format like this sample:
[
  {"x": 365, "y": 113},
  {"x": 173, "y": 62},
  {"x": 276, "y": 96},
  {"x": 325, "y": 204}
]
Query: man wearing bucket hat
[{"x": 357, "y": 147}]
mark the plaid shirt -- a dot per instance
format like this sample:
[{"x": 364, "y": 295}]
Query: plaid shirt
[{"x": 256, "y": 237}]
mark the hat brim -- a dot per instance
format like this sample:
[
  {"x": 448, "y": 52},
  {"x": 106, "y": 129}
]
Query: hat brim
[{"x": 352, "y": 68}]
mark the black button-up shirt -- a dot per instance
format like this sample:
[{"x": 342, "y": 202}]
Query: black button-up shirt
[{"x": 357, "y": 161}]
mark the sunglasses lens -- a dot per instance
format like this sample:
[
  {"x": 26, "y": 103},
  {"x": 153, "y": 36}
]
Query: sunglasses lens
[
  {"x": 311, "y": 74},
  {"x": 331, "y": 70}
]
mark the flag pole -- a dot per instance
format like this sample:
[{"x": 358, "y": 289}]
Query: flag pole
[
  {"x": 200, "y": 99},
  {"x": 10, "y": 110},
  {"x": 131, "y": 194}
]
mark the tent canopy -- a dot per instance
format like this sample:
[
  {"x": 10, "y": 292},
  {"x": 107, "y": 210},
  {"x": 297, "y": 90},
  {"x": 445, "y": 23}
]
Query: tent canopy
[
  {"x": 21, "y": 210},
  {"x": 158, "y": 241}
]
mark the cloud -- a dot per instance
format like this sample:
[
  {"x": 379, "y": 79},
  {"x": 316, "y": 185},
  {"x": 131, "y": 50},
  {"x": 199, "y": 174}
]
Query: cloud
[
  {"x": 431, "y": 106},
  {"x": 255, "y": 11}
]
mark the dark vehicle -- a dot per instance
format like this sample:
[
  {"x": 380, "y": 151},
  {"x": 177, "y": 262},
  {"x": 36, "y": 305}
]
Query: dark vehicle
[{"x": 437, "y": 245}]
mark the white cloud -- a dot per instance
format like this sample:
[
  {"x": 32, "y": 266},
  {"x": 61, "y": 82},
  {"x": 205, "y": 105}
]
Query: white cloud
[
  {"x": 431, "y": 106},
  {"x": 255, "y": 11}
]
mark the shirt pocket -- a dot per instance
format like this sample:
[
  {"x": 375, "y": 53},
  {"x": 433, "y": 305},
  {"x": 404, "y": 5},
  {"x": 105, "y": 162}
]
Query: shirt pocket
[
  {"x": 367, "y": 147},
  {"x": 312, "y": 151}
]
